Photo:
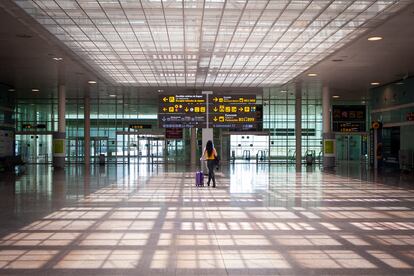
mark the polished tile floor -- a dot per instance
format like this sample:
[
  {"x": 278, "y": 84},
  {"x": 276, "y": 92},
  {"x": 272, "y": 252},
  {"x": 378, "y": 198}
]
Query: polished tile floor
[{"x": 152, "y": 220}]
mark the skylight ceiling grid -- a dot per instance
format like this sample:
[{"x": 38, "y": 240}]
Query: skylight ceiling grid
[
  {"x": 322, "y": 44},
  {"x": 206, "y": 43}
]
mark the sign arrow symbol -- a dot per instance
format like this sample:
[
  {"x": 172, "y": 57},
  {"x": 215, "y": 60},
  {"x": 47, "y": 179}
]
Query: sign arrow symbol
[
  {"x": 164, "y": 99},
  {"x": 215, "y": 109},
  {"x": 215, "y": 99}
]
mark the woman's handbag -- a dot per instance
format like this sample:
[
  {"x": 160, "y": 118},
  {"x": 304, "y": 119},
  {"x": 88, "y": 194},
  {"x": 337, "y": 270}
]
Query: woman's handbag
[{"x": 216, "y": 160}]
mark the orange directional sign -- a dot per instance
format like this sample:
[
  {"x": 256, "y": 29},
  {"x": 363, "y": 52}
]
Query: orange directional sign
[
  {"x": 231, "y": 111},
  {"x": 225, "y": 111},
  {"x": 182, "y": 111}
]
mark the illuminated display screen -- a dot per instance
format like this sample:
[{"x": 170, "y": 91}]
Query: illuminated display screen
[
  {"x": 235, "y": 111},
  {"x": 182, "y": 111},
  {"x": 186, "y": 111},
  {"x": 139, "y": 126},
  {"x": 348, "y": 118}
]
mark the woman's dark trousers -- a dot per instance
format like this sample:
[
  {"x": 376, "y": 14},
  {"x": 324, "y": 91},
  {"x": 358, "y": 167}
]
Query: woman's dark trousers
[{"x": 210, "y": 166}]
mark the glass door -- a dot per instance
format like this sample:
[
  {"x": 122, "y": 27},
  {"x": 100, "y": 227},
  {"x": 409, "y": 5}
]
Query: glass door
[
  {"x": 249, "y": 148},
  {"x": 75, "y": 150},
  {"x": 157, "y": 149},
  {"x": 34, "y": 148},
  {"x": 133, "y": 147},
  {"x": 99, "y": 147},
  {"x": 350, "y": 147},
  {"x": 175, "y": 150}
]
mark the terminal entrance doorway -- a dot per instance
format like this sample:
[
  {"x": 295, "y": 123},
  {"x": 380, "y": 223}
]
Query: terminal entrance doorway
[
  {"x": 139, "y": 148},
  {"x": 249, "y": 148},
  {"x": 175, "y": 151},
  {"x": 351, "y": 147},
  {"x": 34, "y": 148},
  {"x": 99, "y": 147}
]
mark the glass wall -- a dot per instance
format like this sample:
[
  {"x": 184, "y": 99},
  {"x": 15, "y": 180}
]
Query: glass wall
[
  {"x": 249, "y": 147},
  {"x": 113, "y": 113},
  {"x": 279, "y": 120},
  {"x": 36, "y": 119}
]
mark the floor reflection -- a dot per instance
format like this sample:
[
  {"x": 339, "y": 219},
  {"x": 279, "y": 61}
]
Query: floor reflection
[{"x": 260, "y": 220}]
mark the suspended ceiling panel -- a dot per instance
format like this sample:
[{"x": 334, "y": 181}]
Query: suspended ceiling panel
[{"x": 211, "y": 43}]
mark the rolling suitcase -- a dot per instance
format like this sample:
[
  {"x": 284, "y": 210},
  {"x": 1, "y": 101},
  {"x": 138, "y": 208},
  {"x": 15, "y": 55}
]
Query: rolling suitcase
[{"x": 199, "y": 179}]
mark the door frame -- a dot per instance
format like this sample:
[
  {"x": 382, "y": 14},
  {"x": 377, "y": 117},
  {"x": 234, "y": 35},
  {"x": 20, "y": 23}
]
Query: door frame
[{"x": 347, "y": 135}]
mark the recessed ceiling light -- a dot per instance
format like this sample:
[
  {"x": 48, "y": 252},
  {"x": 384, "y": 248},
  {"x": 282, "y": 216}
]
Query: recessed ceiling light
[
  {"x": 312, "y": 75},
  {"x": 283, "y": 91},
  {"x": 375, "y": 83},
  {"x": 398, "y": 83},
  {"x": 374, "y": 38},
  {"x": 58, "y": 58},
  {"x": 12, "y": 90},
  {"x": 112, "y": 95},
  {"x": 335, "y": 96},
  {"x": 160, "y": 90},
  {"x": 92, "y": 82},
  {"x": 35, "y": 90},
  {"x": 81, "y": 107}
]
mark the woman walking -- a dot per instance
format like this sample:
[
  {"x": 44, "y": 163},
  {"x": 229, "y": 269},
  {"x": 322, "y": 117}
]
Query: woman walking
[{"x": 210, "y": 155}]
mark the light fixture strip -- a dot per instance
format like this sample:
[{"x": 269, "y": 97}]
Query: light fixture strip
[
  {"x": 252, "y": 28},
  {"x": 120, "y": 38},
  {"x": 146, "y": 19},
  {"x": 270, "y": 72},
  {"x": 332, "y": 48},
  {"x": 169, "y": 42},
  {"x": 212, "y": 52},
  {"x": 279, "y": 37},
  {"x": 309, "y": 64},
  {"x": 140, "y": 48},
  {"x": 85, "y": 51},
  {"x": 184, "y": 42},
  {"x": 145, "y": 48},
  {"x": 221, "y": 69}
]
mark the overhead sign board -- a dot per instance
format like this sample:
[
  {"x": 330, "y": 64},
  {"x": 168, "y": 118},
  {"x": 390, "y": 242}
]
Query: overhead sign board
[
  {"x": 140, "y": 126},
  {"x": 31, "y": 126},
  {"x": 233, "y": 99},
  {"x": 232, "y": 111},
  {"x": 225, "y": 111},
  {"x": 182, "y": 111},
  {"x": 349, "y": 118}
]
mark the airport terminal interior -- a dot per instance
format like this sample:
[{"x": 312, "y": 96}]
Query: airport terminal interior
[{"x": 106, "y": 108}]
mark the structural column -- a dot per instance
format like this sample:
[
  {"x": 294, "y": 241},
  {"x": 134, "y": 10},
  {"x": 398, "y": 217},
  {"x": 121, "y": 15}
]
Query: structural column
[
  {"x": 298, "y": 125},
  {"x": 59, "y": 137},
  {"x": 206, "y": 133},
  {"x": 87, "y": 127},
  {"x": 328, "y": 136},
  {"x": 193, "y": 147}
]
